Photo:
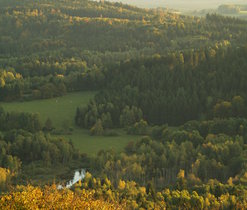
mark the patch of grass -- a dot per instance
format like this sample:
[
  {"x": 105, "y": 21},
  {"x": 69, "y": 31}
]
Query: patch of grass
[
  {"x": 63, "y": 109},
  {"x": 82, "y": 139},
  {"x": 57, "y": 109}
]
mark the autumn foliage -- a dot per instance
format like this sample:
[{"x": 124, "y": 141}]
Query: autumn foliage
[{"x": 50, "y": 197}]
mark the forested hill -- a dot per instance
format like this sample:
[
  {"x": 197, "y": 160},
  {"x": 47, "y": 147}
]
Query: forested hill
[
  {"x": 54, "y": 32},
  {"x": 169, "y": 91},
  {"x": 194, "y": 85}
]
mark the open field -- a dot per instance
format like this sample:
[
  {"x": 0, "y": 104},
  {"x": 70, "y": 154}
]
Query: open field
[
  {"x": 57, "y": 109},
  {"x": 63, "y": 109},
  {"x": 92, "y": 144}
]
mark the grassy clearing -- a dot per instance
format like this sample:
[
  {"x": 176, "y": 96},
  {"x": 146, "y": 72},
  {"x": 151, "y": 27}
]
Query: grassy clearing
[
  {"x": 92, "y": 144},
  {"x": 57, "y": 109},
  {"x": 63, "y": 109}
]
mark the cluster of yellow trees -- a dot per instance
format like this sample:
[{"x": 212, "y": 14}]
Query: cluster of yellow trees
[
  {"x": 210, "y": 196},
  {"x": 128, "y": 195},
  {"x": 5, "y": 176},
  {"x": 49, "y": 197},
  {"x": 8, "y": 76}
]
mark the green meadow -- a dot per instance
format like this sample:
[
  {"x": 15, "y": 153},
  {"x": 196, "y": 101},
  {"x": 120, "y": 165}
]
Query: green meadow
[
  {"x": 58, "y": 109},
  {"x": 92, "y": 144},
  {"x": 63, "y": 109}
]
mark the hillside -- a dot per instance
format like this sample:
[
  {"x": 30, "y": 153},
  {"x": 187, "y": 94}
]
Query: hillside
[
  {"x": 49, "y": 48},
  {"x": 55, "y": 35},
  {"x": 152, "y": 105}
]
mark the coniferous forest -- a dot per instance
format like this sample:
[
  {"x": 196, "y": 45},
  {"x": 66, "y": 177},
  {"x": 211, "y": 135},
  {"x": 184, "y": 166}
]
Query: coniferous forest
[{"x": 176, "y": 83}]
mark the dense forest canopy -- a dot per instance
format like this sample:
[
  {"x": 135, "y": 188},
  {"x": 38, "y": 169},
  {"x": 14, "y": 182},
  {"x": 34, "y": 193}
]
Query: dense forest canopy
[
  {"x": 176, "y": 81},
  {"x": 173, "y": 89},
  {"x": 51, "y": 47}
]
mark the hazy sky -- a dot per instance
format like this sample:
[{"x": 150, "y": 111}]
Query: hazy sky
[{"x": 182, "y": 4}]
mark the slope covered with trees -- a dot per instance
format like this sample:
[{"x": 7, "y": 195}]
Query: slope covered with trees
[
  {"x": 177, "y": 81},
  {"x": 172, "y": 89},
  {"x": 51, "y": 47},
  {"x": 27, "y": 148}
]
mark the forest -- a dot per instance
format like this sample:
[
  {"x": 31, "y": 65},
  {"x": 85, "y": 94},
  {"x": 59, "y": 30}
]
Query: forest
[{"x": 173, "y": 86}]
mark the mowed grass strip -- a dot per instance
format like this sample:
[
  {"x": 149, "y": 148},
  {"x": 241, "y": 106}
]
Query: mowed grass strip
[{"x": 63, "y": 109}]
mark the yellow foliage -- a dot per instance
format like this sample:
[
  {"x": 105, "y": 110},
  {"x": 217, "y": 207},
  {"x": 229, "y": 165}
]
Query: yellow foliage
[
  {"x": 18, "y": 76},
  {"x": 60, "y": 76},
  {"x": 142, "y": 190},
  {"x": 2, "y": 82},
  {"x": 10, "y": 76},
  {"x": 180, "y": 174},
  {"x": 121, "y": 185},
  {"x": 4, "y": 173},
  {"x": 88, "y": 176},
  {"x": 50, "y": 197}
]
